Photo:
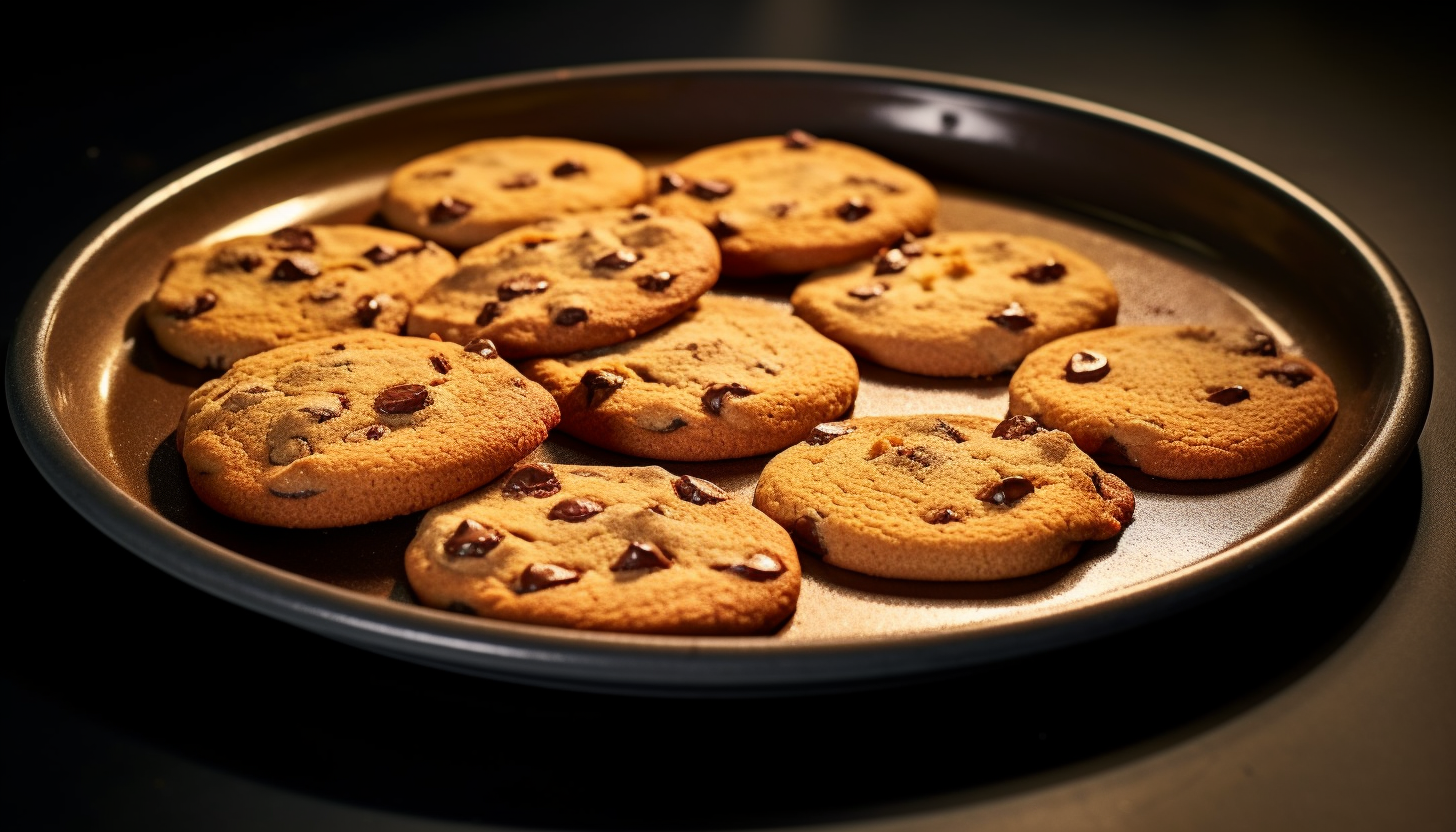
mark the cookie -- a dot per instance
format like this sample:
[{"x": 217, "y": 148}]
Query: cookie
[
  {"x": 465, "y": 195},
  {"x": 794, "y": 203},
  {"x": 357, "y": 428},
  {"x": 941, "y": 498},
  {"x": 632, "y": 550},
  {"x": 736, "y": 377},
  {"x": 958, "y": 303},
  {"x": 1179, "y": 402},
  {"x": 223, "y": 301},
  {"x": 572, "y": 283}
]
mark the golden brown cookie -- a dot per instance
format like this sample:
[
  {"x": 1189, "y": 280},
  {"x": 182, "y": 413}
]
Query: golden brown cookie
[
  {"x": 958, "y": 303},
  {"x": 795, "y": 203},
  {"x": 735, "y": 377},
  {"x": 464, "y": 195},
  {"x": 941, "y": 498},
  {"x": 572, "y": 283},
  {"x": 627, "y": 549},
  {"x": 223, "y": 301},
  {"x": 357, "y": 428},
  {"x": 1179, "y": 402}
]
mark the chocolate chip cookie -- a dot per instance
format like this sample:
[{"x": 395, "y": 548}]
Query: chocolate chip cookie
[
  {"x": 357, "y": 428},
  {"x": 1179, "y": 402},
  {"x": 221, "y": 302},
  {"x": 942, "y": 498},
  {"x": 958, "y": 303},
  {"x": 794, "y": 203},
  {"x": 464, "y": 195},
  {"x": 572, "y": 283},
  {"x": 626, "y": 549},
  {"x": 735, "y": 377}
]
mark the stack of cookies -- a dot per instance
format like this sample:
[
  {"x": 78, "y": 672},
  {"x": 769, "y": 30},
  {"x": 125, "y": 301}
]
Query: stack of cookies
[{"x": 530, "y": 283}]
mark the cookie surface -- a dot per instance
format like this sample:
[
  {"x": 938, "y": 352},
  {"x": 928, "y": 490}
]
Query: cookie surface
[
  {"x": 572, "y": 283},
  {"x": 736, "y": 377},
  {"x": 464, "y": 195},
  {"x": 1179, "y": 402},
  {"x": 625, "y": 549},
  {"x": 940, "y": 498},
  {"x": 958, "y": 303},
  {"x": 357, "y": 428},
  {"x": 794, "y": 203},
  {"x": 220, "y": 302}
]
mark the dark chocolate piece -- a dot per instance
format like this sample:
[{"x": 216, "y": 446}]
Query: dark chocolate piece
[
  {"x": 945, "y": 515},
  {"x": 1260, "y": 343},
  {"x": 656, "y": 282},
  {"x": 292, "y": 238},
  {"x": 575, "y": 510},
  {"x": 1289, "y": 375},
  {"x": 722, "y": 229},
  {"x": 488, "y": 313},
  {"x": 367, "y": 309},
  {"x": 539, "y": 576},
  {"x": 402, "y": 398},
  {"x": 381, "y": 254},
  {"x": 758, "y": 567},
  {"x": 483, "y": 347},
  {"x": 449, "y": 209},
  {"x": 1229, "y": 395},
  {"x": 519, "y": 181},
  {"x": 641, "y": 556},
  {"x": 799, "y": 140},
  {"x": 869, "y": 290},
  {"x": 669, "y": 182},
  {"x": 472, "y": 540},
  {"x": 1013, "y": 317},
  {"x": 853, "y": 209},
  {"x": 570, "y": 167},
  {"x": 828, "y": 432},
  {"x": 1087, "y": 366},
  {"x": 1018, "y": 427},
  {"x": 619, "y": 259},
  {"x": 570, "y": 316},
  {"x": 713, "y": 396},
  {"x": 699, "y": 492},
  {"x": 533, "y": 479},
  {"x": 440, "y": 363},
  {"x": 806, "y": 533},
  {"x": 524, "y": 285},
  {"x": 1042, "y": 272},
  {"x": 890, "y": 260},
  {"x": 295, "y": 268},
  {"x": 1007, "y": 491},
  {"x": 710, "y": 189},
  {"x": 200, "y": 304},
  {"x": 600, "y": 384}
]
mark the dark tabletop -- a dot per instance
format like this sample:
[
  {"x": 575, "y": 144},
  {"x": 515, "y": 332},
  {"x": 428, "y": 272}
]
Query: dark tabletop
[{"x": 130, "y": 700}]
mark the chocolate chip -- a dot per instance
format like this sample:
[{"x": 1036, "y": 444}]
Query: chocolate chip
[
  {"x": 570, "y": 316},
  {"x": 722, "y": 229},
  {"x": 449, "y": 209},
  {"x": 828, "y": 432},
  {"x": 1018, "y": 427},
  {"x": 854, "y": 209},
  {"x": 533, "y": 479},
  {"x": 710, "y": 189},
  {"x": 869, "y": 290},
  {"x": 1007, "y": 491},
  {"x": 642, "y": 212},
  {"x": 1229, "y": 395},
  {"x": 713, "y": 396},
  {"x": 519, "y": 181},
  {"x": 373, "y": 432},
  {"x": 295, "y": 268},
  {"x": 575, "y": 510},
  {"x": 759, "y": 567},
  {"x": 539, "y": 576},
  {"x": 949, "y": 431},
  {"x": 293, "y": 239},
  {"x": 698, "y": 492},
  {"x": 1042, "y": 272},
  {"x": 296, "y": 495},
  {"x": 799, "y": 140},
  {"x": 601, "y": 382},
  {"x": 440, "y": 363},
  {"x": 233, "y": 261},
  {"x": 1260, "y": 343},
  {"x": 676, "y": 424},
  {"x": 460, "y": 607},
  {"x": 1087, "y": 366},
  {"x": 619, "y": 259},
  {"x": 200, "y": 304},
  {"x": 521, "y": 286},
  {"x": 781, "y": 209},
  {"x": 891, "y": 260},
  {"x": 338, "y": 346},
  {"x": 570, "y": 167},
  {"x": 367, "y": 309},
  {"x": 323, "y": 414},
  {"x": 806, "y": 533},
  {"x": 1289, "y": 375},
  {"x": 1013, "y": 317},
  {"x": 402, "y": 398},
  {"x": 472, "y": 540},
  {"x": 381, "y": 254},
  {"x": 483, "y": 347},
  {"x": 641, "y": 556},
  {"x": 945, "y": 515},
  {"x": 669, "y": 182},
  {"x": 656, "y": 282},
  {"x": 488, "y": 313},
  {"x": 908, "y": 245}
]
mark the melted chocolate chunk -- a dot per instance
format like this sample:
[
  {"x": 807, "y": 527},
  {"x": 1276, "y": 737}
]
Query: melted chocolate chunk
[
  {"x": 292, "y": 239},
  {"x": 1007, "y": 491},
  {"x": 483, "y": 347},
  {"x": 1229, "y": 395},
  {"x": 853, "y": 209},
  {"x": 945, "y": 515},
  {"x": 570, "y": 316},
  {"x": 367, "y": 309},
  {"x": 402, "y": 398},
  {"x": 676, "y": 424},
  {"x": 1289, "y": 375},
  {"x": 472, "y": 540},
  {"x": 642, "y": 212},
  {"x": 949, "y": 431},
  {"x": 381, "y": 254},
  {"x": 1043, "y": 272},
  {"x": 710, "y": 189},
  {"x": 488, "y": 313},
  {"x": 449, "y": 209},
  {"x": 1013, "y": 317},
  {"x": 908, "y": 245},
  {"x": 373, "y": 432},
  {"x": 200, "y": 304},
  {"x": 600, "y": 384},
  {"x": 759, "y": 567},
  {"x": 619, "y": 259},
  {"x": 1260, "y": 343},
  {"x": 669, "y": 182},
  {"x": 828, "y": 432},
  {"x": 295, "y": 268},
  {"x": 722, "y": 229},
  {"x": 533, "y": 479},
  {"x": 781, "y": 209},
  {"x": 869, "y": 290},
  {"x": 799, "y": 140},
  {"x": 641, "y": 556},
  {"x": 713, "y": 396},
  {"x": 570, "y": 167},
  {"x": 1087, "y": 366},
  {"x": 890, "y": 261},
  {"x": 1018, "y": 427},
  {"x": 806, "y": 533},
  {"x": 440, "y": 363},
  {"x": 519, "y": 181},
  {"x": 539, "y": 576},
  {"x": 656, "y": 282},
  {"x": 575, "y": 510},
  {"x": 521, "y": 286},
  {"x": 698, "y": 492},
  {"x": 233, "y": 261}
]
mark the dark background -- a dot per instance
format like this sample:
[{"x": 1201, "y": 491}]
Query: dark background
[{"x": 1318, "y": 696}]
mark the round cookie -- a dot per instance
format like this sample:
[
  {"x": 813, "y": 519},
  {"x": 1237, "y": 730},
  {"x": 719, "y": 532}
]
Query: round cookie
[
  {"x": 220, "y": 302},
  {"x": 958, "y": 303},
  {"x": 464, "y": 195},
  {"x": 626, "y": 549},
  {"x": 572, "y": 283},
  {"x": 736, "y": 377},
  {"x": 795, "y": 203},
  {"x": 1179, "y": 402},
  {"x": 357, "y": 428},
  {"x": 941, "y": 498}
]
